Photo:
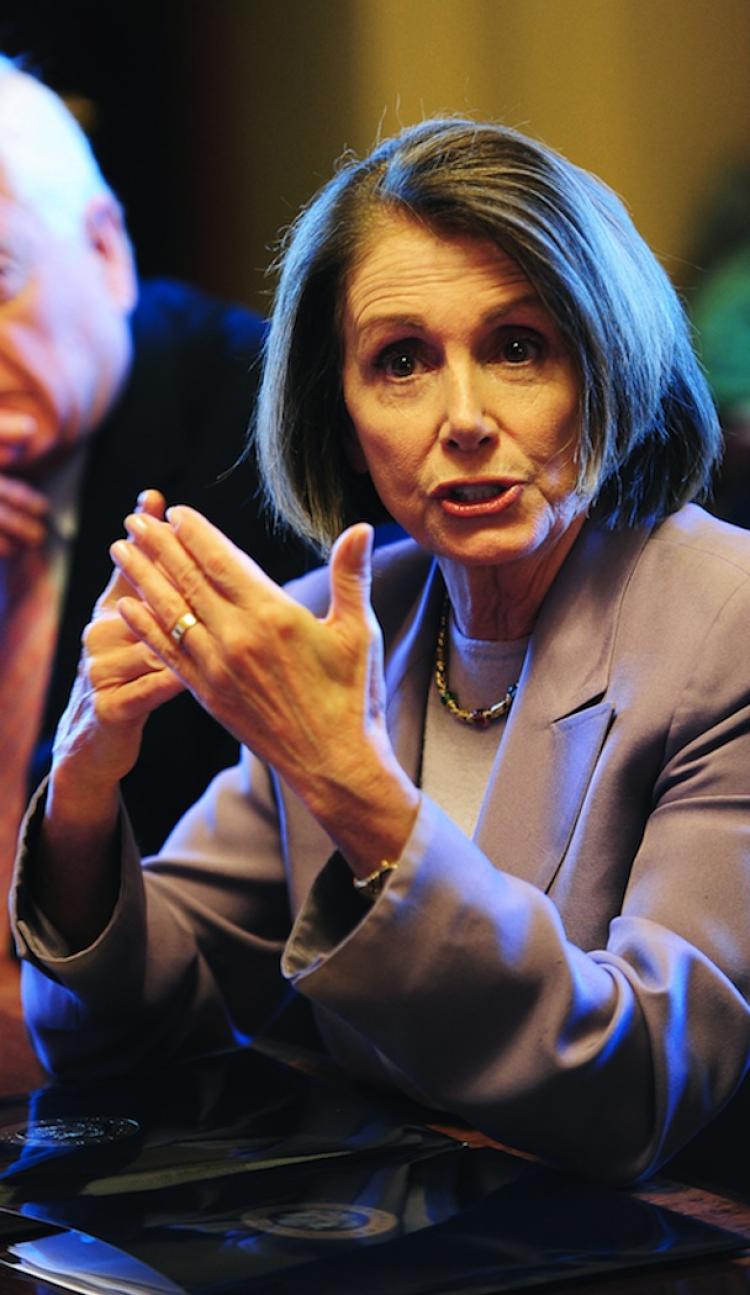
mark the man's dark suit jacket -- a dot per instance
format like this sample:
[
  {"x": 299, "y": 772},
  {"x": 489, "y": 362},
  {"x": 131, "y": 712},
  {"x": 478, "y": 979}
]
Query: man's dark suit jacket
[{"x": 179, "y": 424}]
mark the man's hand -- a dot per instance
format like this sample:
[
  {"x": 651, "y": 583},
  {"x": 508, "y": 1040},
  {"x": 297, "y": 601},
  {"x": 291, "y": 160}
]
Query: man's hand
[
  {"x": 23, "y": 510},
  {"x": 23, "y": 516}
]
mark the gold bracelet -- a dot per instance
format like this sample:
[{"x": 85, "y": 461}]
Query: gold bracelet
[{"x": 373, "y": 883}]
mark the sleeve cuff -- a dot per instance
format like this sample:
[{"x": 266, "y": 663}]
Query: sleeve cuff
[
  {"x": 334, "y": 909},
  {"x": 36, "y": 938}
]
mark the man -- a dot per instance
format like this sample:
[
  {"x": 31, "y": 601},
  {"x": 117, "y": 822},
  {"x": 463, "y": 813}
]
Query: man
[{"x": 106, "y": 387}]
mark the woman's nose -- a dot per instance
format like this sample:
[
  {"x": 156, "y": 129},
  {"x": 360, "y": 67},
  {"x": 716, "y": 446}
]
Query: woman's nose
[{"x": 466, "y": 423}]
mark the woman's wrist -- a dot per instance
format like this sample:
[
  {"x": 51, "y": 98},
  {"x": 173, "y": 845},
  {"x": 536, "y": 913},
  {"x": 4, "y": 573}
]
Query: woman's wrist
[
  {"x": 77, "y": 806},
  {"x": 369, "y": 813}
]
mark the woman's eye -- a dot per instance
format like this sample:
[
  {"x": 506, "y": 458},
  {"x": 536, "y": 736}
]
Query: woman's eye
[
  {"x": 398, "y": 362},
  {"x": 520, "y": 348}
]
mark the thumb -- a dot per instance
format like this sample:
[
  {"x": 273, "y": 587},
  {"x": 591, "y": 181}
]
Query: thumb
[{"x": 351, "y": 571}]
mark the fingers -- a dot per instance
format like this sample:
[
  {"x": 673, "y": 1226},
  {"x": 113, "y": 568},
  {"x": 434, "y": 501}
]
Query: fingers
[
  {"x": 122, "y": 679},
  {"x": 120, "y": 682},
  {"x": 189, "y": 558},
  {"x": 133, "y": 702},
  {"x": 23, "y": 516},
  {"x": 114, "y": 653},
  {"x": 172, "y": 655},
  {"x": 165, "y": 603},
  {"x": 128, "y": 693},
  {"x": 220, "y": 562},
  {"x": 153, "y": 503},
  {"x": 154, "y": 564}
]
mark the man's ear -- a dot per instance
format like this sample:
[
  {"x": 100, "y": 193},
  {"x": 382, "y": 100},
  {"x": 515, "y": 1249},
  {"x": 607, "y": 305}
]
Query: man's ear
[{"x": 108, "y": 239}]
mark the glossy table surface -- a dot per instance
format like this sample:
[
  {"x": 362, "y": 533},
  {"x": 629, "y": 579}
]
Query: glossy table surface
[
  {"x": 716, "y": 1205},
  {"x": 701, "y": 1277}
]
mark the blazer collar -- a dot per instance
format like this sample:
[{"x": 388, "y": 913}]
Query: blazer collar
[
  {"x": 560, "y": 717},
  {"x": 570, "y": 651}
]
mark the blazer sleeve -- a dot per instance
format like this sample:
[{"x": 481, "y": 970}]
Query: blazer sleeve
[
  {"x": 462, "y": 980},
  {"x": 189, "y": 960}
]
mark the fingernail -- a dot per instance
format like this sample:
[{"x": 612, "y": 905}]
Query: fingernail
[
  {"x": 142, "y": 497},
  {"x": 174, "y": 515},
  {"x": 135, "y": 522},
  {"x": 119, "y": 551}
]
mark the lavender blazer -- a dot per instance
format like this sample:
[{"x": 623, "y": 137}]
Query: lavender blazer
[{"x": 575, "y": 979}]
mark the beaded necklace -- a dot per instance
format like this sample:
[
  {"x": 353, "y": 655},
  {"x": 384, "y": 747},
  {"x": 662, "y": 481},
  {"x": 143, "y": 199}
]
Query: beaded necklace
[{"x": 480, "y": 717}]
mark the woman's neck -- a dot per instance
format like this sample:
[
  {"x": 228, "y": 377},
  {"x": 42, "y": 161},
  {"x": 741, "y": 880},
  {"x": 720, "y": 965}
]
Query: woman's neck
[{"x": 502, "y": 602}]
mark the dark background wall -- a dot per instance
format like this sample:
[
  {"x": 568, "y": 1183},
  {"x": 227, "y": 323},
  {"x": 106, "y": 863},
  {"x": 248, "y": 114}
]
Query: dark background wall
[
  {"x": 212, "y": 121},
  {"x": 215, "y": 119},
  {"x": 122, "y": 68}
]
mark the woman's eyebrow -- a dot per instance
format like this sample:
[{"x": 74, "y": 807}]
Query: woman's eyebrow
[
  {"x": 395, "y": 320},
  {"x": 409, "y": 320},
  {"x": 525, "y": 301}
]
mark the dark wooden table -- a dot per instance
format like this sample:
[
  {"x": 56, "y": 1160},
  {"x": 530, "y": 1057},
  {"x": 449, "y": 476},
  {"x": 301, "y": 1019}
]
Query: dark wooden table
[
  {"x": 19, "y": 1071},
  {"x": 702, "y": 1277}
]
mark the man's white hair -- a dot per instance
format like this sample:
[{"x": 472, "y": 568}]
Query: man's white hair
[{"x": 46, "y": 161}]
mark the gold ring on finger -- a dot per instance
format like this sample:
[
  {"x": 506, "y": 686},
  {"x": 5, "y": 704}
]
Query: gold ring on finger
[{"x": 181, "y": 627}]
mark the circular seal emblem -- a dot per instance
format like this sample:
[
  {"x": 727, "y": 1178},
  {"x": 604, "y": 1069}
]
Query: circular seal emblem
[
  {"x": 322, "y": 1221},
  {"x": 86, "y": 1131}
]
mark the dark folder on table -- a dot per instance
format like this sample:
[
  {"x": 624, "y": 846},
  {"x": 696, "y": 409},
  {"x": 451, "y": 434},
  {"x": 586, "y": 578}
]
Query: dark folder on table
[{"x": 238, "y": 1174}]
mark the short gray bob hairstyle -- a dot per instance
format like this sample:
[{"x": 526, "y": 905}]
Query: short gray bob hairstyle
[{"x": 649, "y": 435}]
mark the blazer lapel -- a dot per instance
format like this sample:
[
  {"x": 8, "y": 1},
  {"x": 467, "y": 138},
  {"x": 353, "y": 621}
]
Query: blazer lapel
[
  {"x": 561, "y": 716},
  {"x": 408, "y": 672}
]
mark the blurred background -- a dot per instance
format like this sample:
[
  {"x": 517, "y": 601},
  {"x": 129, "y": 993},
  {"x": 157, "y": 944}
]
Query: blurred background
[{"x": 215, "y": 119}]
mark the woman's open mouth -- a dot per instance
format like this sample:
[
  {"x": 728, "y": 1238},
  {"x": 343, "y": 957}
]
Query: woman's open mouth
[{"x": 478, "y": 498}]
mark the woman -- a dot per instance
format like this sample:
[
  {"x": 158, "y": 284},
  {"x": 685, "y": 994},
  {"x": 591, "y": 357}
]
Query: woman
[{"x": 492, "y": 817}]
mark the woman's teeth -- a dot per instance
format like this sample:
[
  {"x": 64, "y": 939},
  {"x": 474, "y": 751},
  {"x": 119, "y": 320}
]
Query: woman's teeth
[{"x": 474, "y": 494}]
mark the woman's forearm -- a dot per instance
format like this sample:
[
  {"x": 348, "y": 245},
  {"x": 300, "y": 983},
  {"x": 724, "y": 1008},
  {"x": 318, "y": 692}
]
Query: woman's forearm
[{"x": 75, "y": 879}]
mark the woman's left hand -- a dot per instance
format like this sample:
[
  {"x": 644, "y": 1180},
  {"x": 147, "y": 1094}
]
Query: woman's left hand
[{"x": 306, "y": 695}]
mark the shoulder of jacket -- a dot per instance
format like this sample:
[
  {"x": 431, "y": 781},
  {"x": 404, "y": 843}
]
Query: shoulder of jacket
[{"x": 695, "y": 536}]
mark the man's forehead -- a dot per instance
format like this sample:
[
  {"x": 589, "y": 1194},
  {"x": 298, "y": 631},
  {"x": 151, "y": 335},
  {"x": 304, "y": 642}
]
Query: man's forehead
[
  {"x": 45, "y": 158},
  {"x": 27, "y": 219},
  {"x": 20, "y": 222}
]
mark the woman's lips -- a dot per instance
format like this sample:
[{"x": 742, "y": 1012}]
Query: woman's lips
[{"x": 478, "y": 498}]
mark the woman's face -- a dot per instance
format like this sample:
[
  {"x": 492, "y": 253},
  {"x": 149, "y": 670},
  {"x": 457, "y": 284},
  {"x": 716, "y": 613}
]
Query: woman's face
[{"x": 463, "y": 396}]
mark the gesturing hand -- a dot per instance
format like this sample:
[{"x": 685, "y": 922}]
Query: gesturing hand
[
  {"x": 307, "y": 695},
  {"x": 120, "y": 681}
]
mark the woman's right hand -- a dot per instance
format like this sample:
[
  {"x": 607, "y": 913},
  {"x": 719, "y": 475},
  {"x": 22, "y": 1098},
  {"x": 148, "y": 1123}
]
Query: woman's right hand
[{"x": 120, "y": 682}]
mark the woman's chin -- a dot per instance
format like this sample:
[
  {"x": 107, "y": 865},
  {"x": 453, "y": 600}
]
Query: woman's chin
[
  {"x": 536, "y": 534},
  {"x": 491, "y": 547}
]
